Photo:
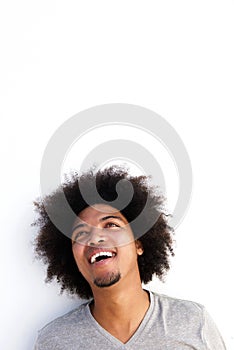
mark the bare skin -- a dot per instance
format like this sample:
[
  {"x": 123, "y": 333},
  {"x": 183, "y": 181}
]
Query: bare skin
[{"x": 120, "y": 303}]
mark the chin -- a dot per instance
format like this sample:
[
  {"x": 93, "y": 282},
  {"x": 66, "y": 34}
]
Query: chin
[{"x": 107, "y": 281}]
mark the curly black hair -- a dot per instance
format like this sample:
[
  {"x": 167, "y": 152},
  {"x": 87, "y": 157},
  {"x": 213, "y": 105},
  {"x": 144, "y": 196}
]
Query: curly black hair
[{"x": 55, "y": 249}]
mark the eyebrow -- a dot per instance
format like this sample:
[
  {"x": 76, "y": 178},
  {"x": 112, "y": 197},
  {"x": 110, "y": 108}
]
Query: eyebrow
[{"x": 102, "y": 219}]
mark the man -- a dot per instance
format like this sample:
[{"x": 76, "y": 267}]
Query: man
[{"x": 105, "y": 260}]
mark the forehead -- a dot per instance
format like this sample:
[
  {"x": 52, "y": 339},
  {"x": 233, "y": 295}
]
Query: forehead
[{"x": 98, "y": 211}]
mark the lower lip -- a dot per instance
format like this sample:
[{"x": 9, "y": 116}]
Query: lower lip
[{"x": 103, "y": 262}]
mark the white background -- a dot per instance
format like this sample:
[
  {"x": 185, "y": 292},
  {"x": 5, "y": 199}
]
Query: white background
[{"x": 59, "y": 58}]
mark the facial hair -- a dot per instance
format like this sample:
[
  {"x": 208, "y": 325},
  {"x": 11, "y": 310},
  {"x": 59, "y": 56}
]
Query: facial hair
[{"x": 108, "y": 280}]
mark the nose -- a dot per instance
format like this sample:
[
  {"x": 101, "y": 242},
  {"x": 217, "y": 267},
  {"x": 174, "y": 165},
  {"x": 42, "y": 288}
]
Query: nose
[{"x": 96, "y": 237}]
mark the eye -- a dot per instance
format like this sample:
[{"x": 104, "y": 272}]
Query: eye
[
  {"x": 80, "y": 235},
  {"x": 111, "y": 225}
]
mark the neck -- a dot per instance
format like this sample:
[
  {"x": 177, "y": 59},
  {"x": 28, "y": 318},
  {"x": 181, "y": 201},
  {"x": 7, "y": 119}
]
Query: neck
[
  {"x": 115, "y": 300},
  {"x": 120, "y": 311}
]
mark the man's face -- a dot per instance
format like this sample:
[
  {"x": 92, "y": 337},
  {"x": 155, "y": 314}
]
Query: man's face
[{"x": 103, "y": 246}]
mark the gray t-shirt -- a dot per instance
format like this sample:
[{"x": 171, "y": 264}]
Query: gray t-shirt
[{"x": 169, "y": 324}]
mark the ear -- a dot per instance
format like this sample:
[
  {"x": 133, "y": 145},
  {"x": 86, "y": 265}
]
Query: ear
[{"x": 139, "y": 247}]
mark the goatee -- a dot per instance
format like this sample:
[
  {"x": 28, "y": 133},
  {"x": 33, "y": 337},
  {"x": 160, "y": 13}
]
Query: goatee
[{"x": 107, "y": 281}]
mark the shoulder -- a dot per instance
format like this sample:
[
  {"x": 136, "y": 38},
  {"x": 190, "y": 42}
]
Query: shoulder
[
  {"x": 178, "y": 304},
  {"x": 179, "y": 311},
  {"x": 186, "y": 322},
  {"x": 71, "y": 317},
  {"x": 63, "y": 326}
]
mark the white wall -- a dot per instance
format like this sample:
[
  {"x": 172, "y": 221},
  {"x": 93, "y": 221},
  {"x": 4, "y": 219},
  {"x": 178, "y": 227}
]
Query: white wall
[{"x": 174, "y": 57}]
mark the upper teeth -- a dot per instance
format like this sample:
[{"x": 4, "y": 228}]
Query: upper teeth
[{"x": 95, "y": 256}]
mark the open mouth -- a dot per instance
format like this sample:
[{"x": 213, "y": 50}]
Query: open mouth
[{"x": 101, "y": 256}]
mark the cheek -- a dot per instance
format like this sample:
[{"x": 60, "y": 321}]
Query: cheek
[
  {"x": 129, "y": 254},
  {"x": 77, "y": 251},
  {"x": 120, "y": 238}
]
